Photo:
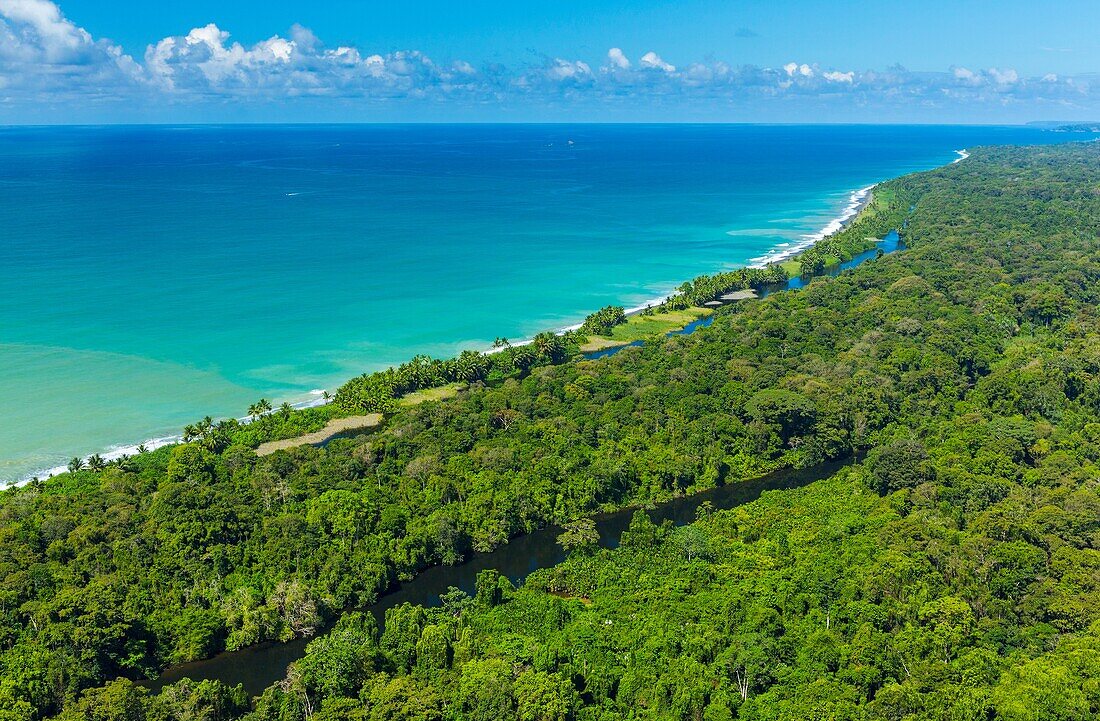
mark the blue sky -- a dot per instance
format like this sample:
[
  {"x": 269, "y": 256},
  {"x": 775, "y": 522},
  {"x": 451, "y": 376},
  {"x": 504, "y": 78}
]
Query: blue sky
[{"x": 695, "y": 60}]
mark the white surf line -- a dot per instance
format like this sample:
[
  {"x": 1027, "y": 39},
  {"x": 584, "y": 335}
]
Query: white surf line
[
  {"x": 113, "y": 453},
  {"x": 783, "y": 251}
]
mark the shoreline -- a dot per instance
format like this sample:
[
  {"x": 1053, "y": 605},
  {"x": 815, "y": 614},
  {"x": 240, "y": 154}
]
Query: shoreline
[{"x": 858, "y": 200}]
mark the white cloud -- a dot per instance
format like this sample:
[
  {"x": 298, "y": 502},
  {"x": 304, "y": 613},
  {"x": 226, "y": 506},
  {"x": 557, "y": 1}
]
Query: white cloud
[
  {"x": 653, "y": 60},
  {"x": 207, "y": 62},
  {"x": 803, "y": 70},
  {"x": 44, "y": 26},
  {"x": 564, "y": 69},
  {"x": 617, "y": 59},
  {"x": 965, "y": 74},
  {"x": 43, "y": 53},
  {"x": 46, "y": 57}
]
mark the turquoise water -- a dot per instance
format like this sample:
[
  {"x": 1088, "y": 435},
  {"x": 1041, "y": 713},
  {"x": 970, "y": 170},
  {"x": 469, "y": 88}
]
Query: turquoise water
[{"x": 154, "y": 275}]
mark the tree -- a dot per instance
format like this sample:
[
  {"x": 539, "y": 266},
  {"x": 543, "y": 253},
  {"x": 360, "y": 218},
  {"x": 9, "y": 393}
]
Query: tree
[
  {"x": 643, "y": 533},
  {"x": 198, "y": 701},
  {"x": 549, "y": 346},
  {"x": 523, "y": 357},
  {"x": 190, "y": 462},
  {"x": 793, "y": 412},
  {"x": 544, "y": 697},
  {"x": 471, "y": 366},
  {"x": 433, "y": 649},
  {"x": 401, "y": 633},
  {"x": 76, "y": 464},
  {"x": 338, "y": 663},
  {"x": 488, "y": 591},
  {"x": 898, "y": 465},
  {"x": 485, "y": 690},
  {"x": 117, "y": 701},
  {"x": 951, "y": 620},
  {"x": 580, "y": 536},
  {"x": 1045, "y": 688}
]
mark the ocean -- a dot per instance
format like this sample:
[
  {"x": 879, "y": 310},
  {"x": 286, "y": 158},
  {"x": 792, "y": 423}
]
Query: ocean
[{"x": 154, "y": 275}]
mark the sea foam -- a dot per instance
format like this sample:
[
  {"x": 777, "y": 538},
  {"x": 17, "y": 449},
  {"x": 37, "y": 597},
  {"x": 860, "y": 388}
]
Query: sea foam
[
  {"x": 782, "y": 251},
  {"x": 114, "y": 453}
]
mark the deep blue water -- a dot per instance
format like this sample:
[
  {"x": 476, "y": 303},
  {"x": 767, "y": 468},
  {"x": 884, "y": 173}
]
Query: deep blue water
[{"x": 154, "y": 275}]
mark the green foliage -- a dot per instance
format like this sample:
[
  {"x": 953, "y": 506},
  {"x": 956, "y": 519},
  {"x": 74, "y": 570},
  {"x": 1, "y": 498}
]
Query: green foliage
[
  {"x": 963, "y": 586},
  {"x": 602, "y": 321},
  {"x": 580, "y": 536},
  {"x": 708, "y": 287},
  {"x": 379, "y": 392},
  {"x": 898, "y": 465}
]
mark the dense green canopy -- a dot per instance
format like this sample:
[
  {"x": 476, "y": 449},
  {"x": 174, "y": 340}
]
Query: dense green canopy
[{"x": 951, "y": 573}]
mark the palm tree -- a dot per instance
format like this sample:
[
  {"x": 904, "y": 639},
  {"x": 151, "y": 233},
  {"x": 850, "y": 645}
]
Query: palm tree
[
  {"x": 326, "y": 395},
  {"x": 523, "y": 357},
  {"x": 470, "y": 366},
  {"x": 190, "y": 433},
  {"x": 259, "y": 409},
  {"x": 549, "y": 346},
  {"x": 96, "y": 463},
  {"x": 75, "y": 465},
  {"x": 285, "y": 409},
  {"x": 142, "y": 448}
]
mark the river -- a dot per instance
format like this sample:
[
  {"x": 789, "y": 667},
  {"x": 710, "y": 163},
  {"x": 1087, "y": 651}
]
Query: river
[{"x": 257, "y": 667}]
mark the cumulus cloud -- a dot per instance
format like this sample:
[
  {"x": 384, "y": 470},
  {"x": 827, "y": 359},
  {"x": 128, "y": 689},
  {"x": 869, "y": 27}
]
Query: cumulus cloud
[
  {"x": 654, "y": 61},
  {"x": 1003, "y": 77},
  {"x": 617, "y": 60},
  {"x": 794, "y": 69},
  {"x": 207, "y": 62},
  {"x": 966, "y": 75},
  {"x": 44, "y": 56},
  {"x": 43, "y": 53}
]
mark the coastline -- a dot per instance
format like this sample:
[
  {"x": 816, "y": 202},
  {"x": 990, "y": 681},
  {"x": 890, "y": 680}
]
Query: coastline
[
  {"x": 858, "y": 200},
  {"x": 121, "y": 450}
]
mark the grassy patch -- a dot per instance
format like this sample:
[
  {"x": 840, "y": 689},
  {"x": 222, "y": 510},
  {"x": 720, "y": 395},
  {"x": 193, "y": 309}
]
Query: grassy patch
[
  {"x": 639, "y": 327},
  {"x": 596, "y": 343},
  {"x": 431, "y": 394},
  {"x": 793, "y": 267},
  {"x": 332, "y": 428}
]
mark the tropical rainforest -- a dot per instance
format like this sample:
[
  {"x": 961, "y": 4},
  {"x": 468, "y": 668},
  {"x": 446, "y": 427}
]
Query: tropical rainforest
[{"x": 949, "y": 570}]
